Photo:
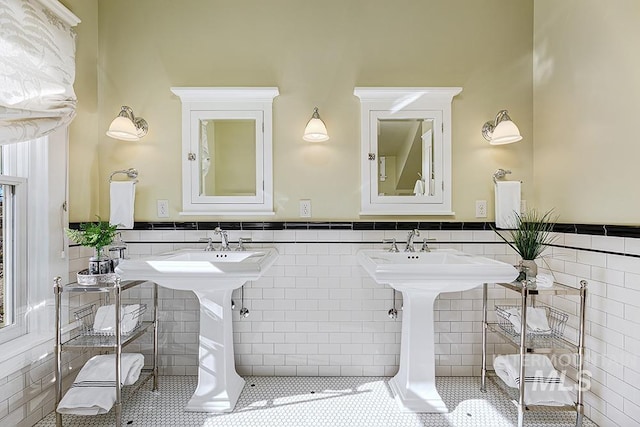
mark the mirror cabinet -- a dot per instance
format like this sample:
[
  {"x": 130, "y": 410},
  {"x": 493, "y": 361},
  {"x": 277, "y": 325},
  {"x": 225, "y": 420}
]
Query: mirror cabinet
[
  {"x": 406, "y": 150},
  {"x": 227, "y": 150}
]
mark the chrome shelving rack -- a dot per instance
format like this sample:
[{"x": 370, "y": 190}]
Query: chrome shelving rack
[
  {"x": 530, "y": 344},
  {"x": 113, "y": 343}
]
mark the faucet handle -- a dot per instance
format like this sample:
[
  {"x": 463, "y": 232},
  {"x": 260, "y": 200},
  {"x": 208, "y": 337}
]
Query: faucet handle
[
  {"x": 242, "y": 241},
  {"x": 425, "y": 247},
  {"x": 209, "y": 242},
  {"x": 394, "y": 246}
]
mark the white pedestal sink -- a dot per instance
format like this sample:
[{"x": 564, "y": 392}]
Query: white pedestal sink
[
  {"x": 421, "y": 277},
  {"x": 212, "y": 276}
]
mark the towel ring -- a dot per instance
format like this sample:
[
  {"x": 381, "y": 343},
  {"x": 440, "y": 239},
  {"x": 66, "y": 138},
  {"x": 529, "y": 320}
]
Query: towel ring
[
  {"x": 131, "y": 173},
  {"x": 499, "y": 174}
]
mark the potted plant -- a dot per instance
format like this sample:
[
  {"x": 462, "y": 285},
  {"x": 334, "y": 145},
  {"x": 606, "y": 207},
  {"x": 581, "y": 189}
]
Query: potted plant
[
  {"x": 530, "y": 237},
  {"x": 96, "y": 235}
]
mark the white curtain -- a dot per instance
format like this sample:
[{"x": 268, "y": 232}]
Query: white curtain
[{"x": 37, "y": 70}]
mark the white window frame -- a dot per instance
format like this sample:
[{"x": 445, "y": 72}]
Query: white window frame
[{"x": 15, "y": 244}]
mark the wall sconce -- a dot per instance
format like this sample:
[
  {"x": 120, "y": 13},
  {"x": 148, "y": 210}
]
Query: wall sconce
[
  {"x": 502, "y": 131},
  {"x": 315, "y": 131},
  {"x": 127, "y": 127}
]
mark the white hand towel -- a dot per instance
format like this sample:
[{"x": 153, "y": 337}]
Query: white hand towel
[
  {"x": 123, "y": 195},
  {"x": 543, "y": 385},
  {"x": 544, "y": 280},
  {"x": 418, "y": 189},
  {"x": 93, "y": 391},
  {"x": 537, "y": 322},
  {"x": 507, "y": 203},
  {"x": 105, "y": 319},
  {"x": 514, "y": 318}
]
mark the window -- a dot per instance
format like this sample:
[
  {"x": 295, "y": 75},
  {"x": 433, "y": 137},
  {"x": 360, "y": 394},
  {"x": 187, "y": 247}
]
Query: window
[
  {"x": 12, "y": 246},
  {"x": 36, "y": 169}
]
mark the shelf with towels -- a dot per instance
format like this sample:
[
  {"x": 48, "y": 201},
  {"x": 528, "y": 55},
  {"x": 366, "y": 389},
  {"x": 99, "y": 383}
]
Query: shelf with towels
[
  {"x": 106, "y": 341},
  {"x": 530, "y": 345}
]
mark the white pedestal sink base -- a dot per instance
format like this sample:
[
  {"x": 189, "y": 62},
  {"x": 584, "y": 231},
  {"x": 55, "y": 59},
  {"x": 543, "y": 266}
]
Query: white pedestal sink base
[
  {"x": 414, "y": 386},
  {"x": 421, "y": 277},
  {"x": 219, "y": 385}
]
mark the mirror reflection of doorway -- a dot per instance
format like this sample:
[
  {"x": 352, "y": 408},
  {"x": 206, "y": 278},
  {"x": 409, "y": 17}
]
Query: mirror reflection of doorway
[
  {"x": 405, "y": 157},
  {"x": 228, "y": 157}
]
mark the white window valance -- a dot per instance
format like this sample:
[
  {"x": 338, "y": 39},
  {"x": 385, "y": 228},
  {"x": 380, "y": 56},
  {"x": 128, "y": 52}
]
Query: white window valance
[{"x": 37, "y": 68}]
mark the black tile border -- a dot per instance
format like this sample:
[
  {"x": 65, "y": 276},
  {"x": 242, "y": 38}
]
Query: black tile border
[{"x": 588, "y": 229}]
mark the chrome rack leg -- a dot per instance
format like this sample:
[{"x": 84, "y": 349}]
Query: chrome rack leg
[
  {"x": 58, "y": 356},
  {"x": 483, "y": 378},
  {"x": 118, "y": 378},
  {"x": 579, "y": 404},
  {"x": 155, "y": 337},
  {"x": 523, "y": 343}
]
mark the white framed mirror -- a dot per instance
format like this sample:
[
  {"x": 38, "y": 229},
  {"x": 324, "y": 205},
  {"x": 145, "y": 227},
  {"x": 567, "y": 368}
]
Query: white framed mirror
[
  {"x": 406, "y": 150},
  {"x": 227, "y": 150}
]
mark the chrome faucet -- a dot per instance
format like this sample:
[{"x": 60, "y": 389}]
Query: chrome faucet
[
  {"x": 224, "y": 238},
  {"x": 412, "y": 235}
]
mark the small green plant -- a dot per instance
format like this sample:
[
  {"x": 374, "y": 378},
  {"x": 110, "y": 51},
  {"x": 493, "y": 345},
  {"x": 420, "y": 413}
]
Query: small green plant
[
  {"x": 532, "y": 233},
  {"x": 95, "y": 235}
]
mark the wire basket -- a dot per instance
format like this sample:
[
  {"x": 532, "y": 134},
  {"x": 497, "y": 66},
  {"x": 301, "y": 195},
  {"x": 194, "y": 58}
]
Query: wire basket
[
  {"x": 557, "y": 321},
  {"x": 131, "y": 320}
]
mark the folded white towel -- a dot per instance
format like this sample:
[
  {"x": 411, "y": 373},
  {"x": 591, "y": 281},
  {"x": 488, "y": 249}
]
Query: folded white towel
[
  {"x": 543, "y": 385},
  {"x": 544, "y": 280},
  {"x": 514, "y": 318},
  {"x": 105, "y": 319},
  {"x": 537, "y": 322},
  {"x": 123, "y": 195},
  {"x": 507, "y": 203},
  {"x": 93, "y": 391},
  {"x": 418, "y": 189}
]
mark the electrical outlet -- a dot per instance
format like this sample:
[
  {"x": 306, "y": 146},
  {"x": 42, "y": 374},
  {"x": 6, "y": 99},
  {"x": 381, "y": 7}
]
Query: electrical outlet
[
  {"x": 305, "y": 208},
  {"x": 523, "y": 206},
  {"x": 481, "y": 208},
  {"x": 163, "y": 208}
]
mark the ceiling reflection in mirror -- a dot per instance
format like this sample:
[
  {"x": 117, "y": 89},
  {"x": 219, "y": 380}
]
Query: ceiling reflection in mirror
[
  {"x": 405, "y": 157},
  {"x": 227, "y": 157}
]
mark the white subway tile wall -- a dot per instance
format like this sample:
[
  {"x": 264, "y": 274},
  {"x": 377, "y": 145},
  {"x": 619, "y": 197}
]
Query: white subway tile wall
[{"x": 317, "y": 313}]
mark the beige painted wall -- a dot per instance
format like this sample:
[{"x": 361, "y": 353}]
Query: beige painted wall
[
  {"x": 83, "y": 132},
  {"x": 586, "y": 108},
  {"x": 315, "y": 53}
]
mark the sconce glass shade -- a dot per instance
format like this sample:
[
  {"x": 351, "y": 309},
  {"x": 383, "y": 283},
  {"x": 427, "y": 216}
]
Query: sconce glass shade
[
  {"x": 505, "y": 132},
  {"x": 315, "y": 131},
  {"x": 127, "y": 127},
  {"x": 502, "y": 130}
]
